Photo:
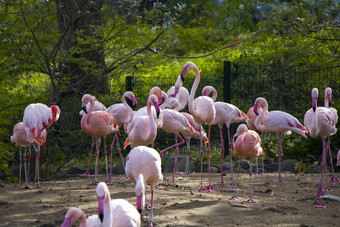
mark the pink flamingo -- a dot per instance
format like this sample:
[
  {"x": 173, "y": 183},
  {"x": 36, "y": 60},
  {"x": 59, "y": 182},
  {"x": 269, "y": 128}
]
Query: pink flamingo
[
  {"x": 174, "y": 104},
  {"x": 142, "y": 130},
  {"x": 319, "y": 122},
  {"x": 143, "y": 166},
  {"x": 203, "y": 111},
  {"x": 251, "y": 125},
  {"x": 37, "y": 117},
  {"x": 123, "y": 114},
  {"x": 327, "y": 102},
  {"x": 247, "y": 144},
  {"x": 98, "y": 106},
  {"x": 115, "y": 212},
  {"x": 226, "y": 113},
  {"x": 179, "y": 93},
  {"x": 278, "y": 122},
  {"x": 97, "y": 123},
  {"x": 74, "y": 214},
  {"x": 175, "y": 122}
]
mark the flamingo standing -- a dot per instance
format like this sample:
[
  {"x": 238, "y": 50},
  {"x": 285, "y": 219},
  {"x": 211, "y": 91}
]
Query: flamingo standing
[
  {"x": 116, "y": 212},
  {"x": 247, "y": 144},
  {"x": 251, "y": 125},
  {"x": 327, "y": 102},
  {"x": 278, "y": 122},
  {"x": 37, "y": 117},
  {"x": 143, "y": 166},
  {"x": 74, "y": 214},
  {"x": 203, "y": 111},
  {"x": 319, "y": 122},
  {"x": 98, "y": 106},
  {"x": 226, "y": 113},
  {"x": 97, "y": 123},
  {"x": 123, "y": 114},
  {"x": 142, "y": 130}
]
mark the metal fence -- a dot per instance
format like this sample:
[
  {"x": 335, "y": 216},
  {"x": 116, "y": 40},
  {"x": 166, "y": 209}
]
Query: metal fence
[{"x": 286, "y": 88}]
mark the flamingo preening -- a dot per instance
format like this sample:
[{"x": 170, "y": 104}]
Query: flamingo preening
[
  {"x": 74, "y": 214},
  {"x": 203, "y": 110},
  {"x": 278, "y": 122},
  {"x": 97, "y": 123},
  {"x": 319, "y": 122},
  {"x": 37, "y": 117}
]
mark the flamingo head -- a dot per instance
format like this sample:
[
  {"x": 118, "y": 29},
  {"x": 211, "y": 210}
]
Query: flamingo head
[
  {"x": 84, "y": 109},
  {"x": 153, "y": 100},
  {"x": 140, "y": 203},
  {"x": 255, "y": 109},
  {"x": 55, "y": 112},
  {"x": 102, "y": 192},
  {"x": 314, "y": 94},
  {"x": 72, "y": 215},
  {"x": 328, "y": 94}
]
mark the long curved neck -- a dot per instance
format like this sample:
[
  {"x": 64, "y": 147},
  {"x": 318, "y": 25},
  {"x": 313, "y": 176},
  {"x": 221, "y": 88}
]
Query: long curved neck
[
  {"x": 326, "y": 102},
  {"x": 151, "y": 120},
  {"x": 259, "y": 118},
  {"x": 108, "y": 211},
  {"x": 193, "y": 90},
  {"x": 165, "y": 102},
  {"x": 127, "y": 106},
  {"x": 91, "y": 106}
]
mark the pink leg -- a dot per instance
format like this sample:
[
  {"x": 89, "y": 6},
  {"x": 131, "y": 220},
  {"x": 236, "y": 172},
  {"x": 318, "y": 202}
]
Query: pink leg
[
  {"x": 250, "y": 197},
  {"x": 175, "y": 161},
  {"x": 37, "y": 167},
  {"x": 209, "y": 189},
  {"x": 87, "y": 173},
  {"x": 151, "y": 210},
  {"x": 232, "y": 185},
  {"x": 280, "y": 151},
  {"x": 201, "y": 150},
  {"x": 234, "y": 197},
  {"x": 111, "y": 147},
  {"x": 106, "y": 168},
  {"x": 333, "y": 179},
  {"x": 186, "y": 172},
  {"x": 178, "y": 144},
  {"x": 320, "y": 192},
  {"x": 28, "y": 168},
  {"x": 175, "y": 145},
  {"x": 96, "y": 165},
  {"x": 27, "y": 186},
  {"x": 222, "y": 157}
]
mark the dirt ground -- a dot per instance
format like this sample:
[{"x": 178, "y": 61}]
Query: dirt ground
[{"x": 289, "y": 203}]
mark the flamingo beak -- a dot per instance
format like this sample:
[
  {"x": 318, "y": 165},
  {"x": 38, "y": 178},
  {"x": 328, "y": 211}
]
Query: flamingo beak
[
  {"x": 101, "y": 208},
  {"x": 245, "y": 116},
  {"x": 314, "y": 103},
  {"x": 140, "y": 203},
  {"x": 183, "y": 72},
  {"x": 84, "y": 109},
  {"x": 235, "y": 138},
  {"x": 255, "y": 109}
]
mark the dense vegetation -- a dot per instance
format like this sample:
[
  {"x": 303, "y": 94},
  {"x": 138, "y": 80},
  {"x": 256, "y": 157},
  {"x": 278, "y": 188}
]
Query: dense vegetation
[{"x": 53, "y": 52}]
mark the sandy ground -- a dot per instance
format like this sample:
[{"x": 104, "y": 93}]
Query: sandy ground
[{"x": 289, "y": 203}]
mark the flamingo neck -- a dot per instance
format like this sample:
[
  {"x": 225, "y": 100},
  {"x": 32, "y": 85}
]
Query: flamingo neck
[
  {"x": 151, "y": 120},
  {"x": 107, "y": 211},
  {"x": 259, "y": 118},
  {"x": 193, "y": 90},
  {"x": 166, "y": 101},
  {"x": 127, "y": 107}
]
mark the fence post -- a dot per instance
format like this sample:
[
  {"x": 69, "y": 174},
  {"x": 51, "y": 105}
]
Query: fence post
[{"x": 226, "y": 98}]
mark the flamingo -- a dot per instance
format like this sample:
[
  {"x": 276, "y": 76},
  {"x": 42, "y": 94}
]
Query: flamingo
[
  {"x": 116, "y": 212},
  {"x": 203, "y": 110},
  {"x": 98, "y": 106},
  {"x": 327, "y": 102},
  {"x": 73, "y": 214},
  {"x": 319, "y": 122},
  {"x": 142, "y": 130},
  {"x": 175, "y": 122},
  {"x": 247, "y": 144},
  {"x": 226, "y": 113},
  {"x": 251, "y": 125},
  {"x": 179, "y": 93},
  {"x": 97, "y": 123},
  {"x": 37, "y": 117},
  {"x": 143, "y": 166},
  {"x": 123, "y": 114},
  {"x": 278, "y": 122}
]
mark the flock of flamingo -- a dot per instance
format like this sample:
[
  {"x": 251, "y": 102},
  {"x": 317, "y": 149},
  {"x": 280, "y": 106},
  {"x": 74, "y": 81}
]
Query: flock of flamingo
[{"x": 163, "y": 111}]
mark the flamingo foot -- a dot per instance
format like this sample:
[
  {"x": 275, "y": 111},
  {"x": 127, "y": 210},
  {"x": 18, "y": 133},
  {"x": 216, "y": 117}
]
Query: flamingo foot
[
  {"x": 334, "y": 180},
  {"x": 209, "y": 189},
  {"x": 39, "y": 186},
  {"x": 201, "y": 189},
  {"x": 94, "y": 182},
  {"x": 220, "y": 185},
  {"x": 232, "y": 185},
  {"x": 147, "y": 207},
  {"x": 126, "y": 178},
  {"x": 234, "y": 198},
  {"x": 250, "y": 201},
  {"x": 263, "y": 173},
  {"x": 327, "y": 190},
  {"x": 27, "y": 187},
  {"x": 172, "y": 180},
  {"x": 319, "y": 206},
  {"x": 277, "y": 181},
  {"x": 113, "y": 178},
  {"x": 86, "y": 174},
  {"x": 98, "y": 175},
  {"x": 108, "y": 182}
]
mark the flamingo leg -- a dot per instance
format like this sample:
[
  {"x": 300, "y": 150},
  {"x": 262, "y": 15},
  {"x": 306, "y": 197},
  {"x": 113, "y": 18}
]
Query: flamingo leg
[
  {"x": 333, "y": 179},
  {"x": 106, "y": 168},
  {"x": 96, "y": 165},
  {"x": 175, "y": 145},
  {"x": 234, "y": 197},
  {"x": 262, "y": 172},
  {"x": 320, "y": 192},
  {"x": 280, "y": 151},
  {"x": 28, "y": 168},
  {"x": 121, "y": 157},
  {"x": 201, "y": 150},
  {"x": 232, "y": 185},
  {"x": 250, "y": 173},
  {"x": 38, "y": 164},
  {"x": 175, "y": 161},
  {"x": 222, "y": 157},
  {"x": 178, "y": 144},
  {"x": 25, "y": 169},
  {"x": 87, "y": 173},
  {"x": 151, "y": 210},
  {"x": 209, "y": 189},
  {"x": 98, "y": 147},
  {"x": 20, "y": 160},
  {"x": 186, "y": 172}
]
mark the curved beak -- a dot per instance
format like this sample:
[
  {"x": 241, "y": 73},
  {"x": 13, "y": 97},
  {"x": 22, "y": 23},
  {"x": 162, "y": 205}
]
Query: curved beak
[
  {"x": 140, "y": 203},
  {"x": 101, "y": 208},
  {"x": 255, "y": 109},
  {"x": 314, "y": 104},
  {"x": 84, "y": 109}
]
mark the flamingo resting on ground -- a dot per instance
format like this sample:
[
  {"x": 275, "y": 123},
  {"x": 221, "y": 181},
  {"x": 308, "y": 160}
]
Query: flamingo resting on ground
[
  {"x": 142, "y": 130},
  {"x": 97, "y": 123},
  {"x": 226, "y": 113},
  {"x": 123, "y": 114},
  {"x": 278, "y": 122},
  {"x": 319, "y": 122},
  {"x": 116, "y": 212},
  {"x": 203, "y": 110},
  {"x": 247, "y": 144},
  {"x": 74, "y": 214},
  {"x": 327, "y": 102},
  {"x": 37, "y": 117},
  {"x": 143, "y": 166},
  {"x": 98, "y": 106}
]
